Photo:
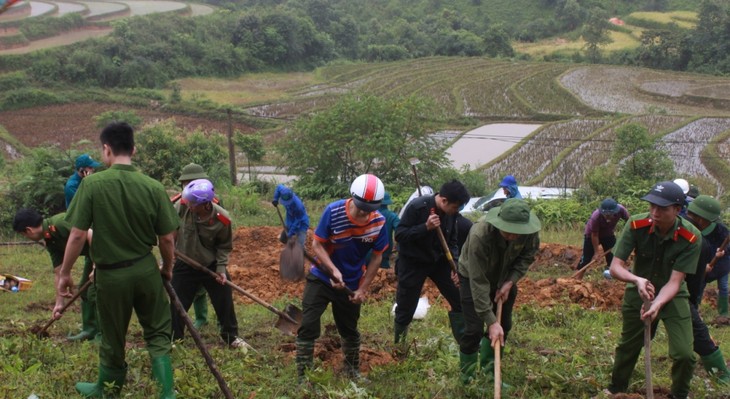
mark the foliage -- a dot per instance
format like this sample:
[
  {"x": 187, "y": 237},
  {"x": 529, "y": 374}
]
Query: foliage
[
  {"x": 561, "y": 213},
  {"x": 27, "y": 97},
  {"x": 252, "y": 146},
  {"x": 13, "y": 80},
  {"x": 243, "y": 200},
  {"x": 37, "y": 181},
  {"x": 108, "y": 117},
  {"x": 363, "y": 134},
  {"x": 159, "y": 149},
  {"x": 38, "y": 28},
  {"x": 595, "y": 33}
]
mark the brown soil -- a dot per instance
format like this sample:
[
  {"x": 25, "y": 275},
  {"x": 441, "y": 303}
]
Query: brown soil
[
  {"x": 254, "y": 266},
  {"x": 66, "y": 124}
]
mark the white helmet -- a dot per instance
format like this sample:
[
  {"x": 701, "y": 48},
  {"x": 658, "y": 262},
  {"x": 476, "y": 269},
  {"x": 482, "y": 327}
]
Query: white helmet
[
  {"x": 683, "y": 184},
  {"x": 367, "y": 192}
]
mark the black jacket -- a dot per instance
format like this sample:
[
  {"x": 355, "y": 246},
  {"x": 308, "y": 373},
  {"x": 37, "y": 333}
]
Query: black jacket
[{"x": 418, "y": 245}]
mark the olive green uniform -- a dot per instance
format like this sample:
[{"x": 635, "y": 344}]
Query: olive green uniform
[
  {"x": 127, "y": 211},
  {"x": 56, "y": 231},
  {"x": 656, "y": 257},
  {"x": 209, "y": 242}
]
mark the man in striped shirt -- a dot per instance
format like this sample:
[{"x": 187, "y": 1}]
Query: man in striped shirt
[{"x": 347, "y": 231}]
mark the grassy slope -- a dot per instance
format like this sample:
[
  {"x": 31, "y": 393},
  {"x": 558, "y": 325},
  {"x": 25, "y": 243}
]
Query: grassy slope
[{"x": 552, "y": 352}]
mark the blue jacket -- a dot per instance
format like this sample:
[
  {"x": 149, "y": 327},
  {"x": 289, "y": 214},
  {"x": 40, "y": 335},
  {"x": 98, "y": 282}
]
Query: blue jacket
[{"x": 296, "y": 216}]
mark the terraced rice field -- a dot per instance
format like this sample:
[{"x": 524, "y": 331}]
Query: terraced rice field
[
  {"x": 686, "y": 144},
  {"x": 69, "y": 8}
]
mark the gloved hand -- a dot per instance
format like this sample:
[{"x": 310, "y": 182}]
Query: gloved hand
[{"x": 275, "y": 203}]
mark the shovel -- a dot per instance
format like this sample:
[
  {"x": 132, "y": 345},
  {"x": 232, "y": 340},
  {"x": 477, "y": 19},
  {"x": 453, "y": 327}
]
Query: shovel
[
  {"x": 647, "y": 354},
  {"x": 291, "y": 260},
  {"x": 288, "y": 321},
  {"x": 445, "y": 247},
  {"x": 580, "y": 273},
  {"x": 498, "y": 358},
  {"x": 42, "y": 331}
]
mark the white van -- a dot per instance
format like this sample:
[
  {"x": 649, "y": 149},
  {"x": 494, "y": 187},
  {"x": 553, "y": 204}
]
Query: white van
[{"x": 483, "y": 204}]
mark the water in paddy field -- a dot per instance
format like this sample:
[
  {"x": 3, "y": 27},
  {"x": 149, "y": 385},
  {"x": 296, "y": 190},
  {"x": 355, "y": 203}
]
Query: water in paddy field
[{"x": 479, "y": 146}]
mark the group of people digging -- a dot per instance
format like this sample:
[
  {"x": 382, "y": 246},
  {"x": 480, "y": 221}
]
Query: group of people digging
[{"x": 475, "y": 267}]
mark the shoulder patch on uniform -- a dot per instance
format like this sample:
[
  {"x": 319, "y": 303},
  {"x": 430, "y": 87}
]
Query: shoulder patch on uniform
[
  {"x": 175, "y": 198},
  {"x": 641, "y": 223},
  {"x": 222, "y": 218},
  {"x": 216, "y": 201},
  {"x": 686, "y": 234}
]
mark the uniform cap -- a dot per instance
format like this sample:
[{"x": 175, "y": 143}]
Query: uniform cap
[
  {"x": 508, "y": 180},
  {"x": 192, "y": 171},
  {"x": 609, "y": 206},
  {"x": 665, "y": 193},
  {"x": 514, "y": 216},
  {"x": 198, "y": 192},
  {"x": 706, "y": 207},
  {"x": 85, "y": 161},
  {"x": 693, "y": 192},
  {"x": 367, "y": 191}
]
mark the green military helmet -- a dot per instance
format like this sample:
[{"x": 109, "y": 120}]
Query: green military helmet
[
  {"x": 192, "y": 171},
  {"x": 705, "y": 207}
]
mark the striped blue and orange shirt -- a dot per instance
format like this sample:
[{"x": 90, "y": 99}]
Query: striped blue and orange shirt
[{"x": 348, "y": 243}]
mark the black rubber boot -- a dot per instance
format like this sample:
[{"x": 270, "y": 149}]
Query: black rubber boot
[{"x": 305, "y": 358}]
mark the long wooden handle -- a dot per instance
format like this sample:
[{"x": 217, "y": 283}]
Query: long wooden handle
[
  {"x": 325, "y": 271},
  {"x": 647, "y": 353},
  {"x": 714, "y": 260},
  {"x": 445, "y": 246},
  {"x": 579, "y": 274},
  {"x": 198, "y": 341},
  {"x": 498, "y": 358},
  {"x": 196, "y": 265},
  {"x": 63, "y": 309}
]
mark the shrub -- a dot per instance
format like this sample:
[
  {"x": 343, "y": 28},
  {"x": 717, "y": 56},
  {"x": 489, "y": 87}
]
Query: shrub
[{"x": 29, "y": 97}]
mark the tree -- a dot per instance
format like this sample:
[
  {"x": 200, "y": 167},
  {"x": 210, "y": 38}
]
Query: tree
[
  {"x": 363, "y": 133},
  {"x": 108, "y": 117},
  {"x": 595, "y": 33},
  {"x": 252, "y": 146},
  {"x": 636, "y": 163}
]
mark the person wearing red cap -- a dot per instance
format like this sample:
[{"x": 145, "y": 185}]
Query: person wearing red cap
[{"x": 667, "y": 248}]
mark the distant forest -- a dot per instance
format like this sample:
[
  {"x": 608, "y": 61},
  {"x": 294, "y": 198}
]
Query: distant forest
[{"x": 270, "y": 35}]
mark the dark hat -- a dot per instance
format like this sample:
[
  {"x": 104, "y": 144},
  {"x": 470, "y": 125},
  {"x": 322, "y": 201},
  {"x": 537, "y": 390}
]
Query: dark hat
[
  {"x": 609, "y": 206},
  {"x": 665, "y": 193},
  {"x": 706, "y": 207},
  {"x": 693, "y": 192},
  {"x": 514, "y": 216},
  {"x": 85, "y": 161},
  {"x": 192, "y": 171},
  {"x": 508, "y": 180}
]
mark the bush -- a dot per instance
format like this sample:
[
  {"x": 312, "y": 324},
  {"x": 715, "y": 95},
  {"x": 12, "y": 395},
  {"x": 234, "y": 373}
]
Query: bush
[
  {"x": 242, "y": 201},
  {"x": 12, "y": 81},
  {"x": 29, "y": 97}
]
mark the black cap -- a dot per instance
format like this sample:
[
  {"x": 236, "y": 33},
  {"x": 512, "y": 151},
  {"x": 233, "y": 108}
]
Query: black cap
[{"x": 665, "y": 193}]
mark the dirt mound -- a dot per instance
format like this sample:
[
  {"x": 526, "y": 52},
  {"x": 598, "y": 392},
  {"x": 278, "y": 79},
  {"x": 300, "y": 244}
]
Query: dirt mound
[{"x": 254, "y": 265}]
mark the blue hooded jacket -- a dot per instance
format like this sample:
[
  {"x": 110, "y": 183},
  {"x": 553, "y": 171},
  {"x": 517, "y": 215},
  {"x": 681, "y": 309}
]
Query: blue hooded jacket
[
  {"x": 510, "y": 183},
  {"x": 296, "y": 216}
]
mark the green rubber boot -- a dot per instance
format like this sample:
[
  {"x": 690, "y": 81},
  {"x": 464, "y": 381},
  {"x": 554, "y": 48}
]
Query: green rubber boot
[
  {"x": 486, "y": 361},
  {"x": 108, "y": 385},
  {"x": 467, "y": 367},
  {"x": 162, "y": 373},
  {"x": 722, "y": 306},
  {"x": 88, "y": 322},
  {"x": 456, "y": 319},
  {"x": 305, "y": 358},
  {"x": 486, "y": 356},
  {"x": 715, "y": 365},
  {"x": 351, "y": 350},
  {"x": 200, "y": 305}
]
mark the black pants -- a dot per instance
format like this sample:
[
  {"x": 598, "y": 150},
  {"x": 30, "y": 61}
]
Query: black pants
[
  {"x": 411, "y": 277},
  {"x": 186, "y": 281},
  {"x": 317, "y": 295},
  {"x": 606, "y": 242},
  {"x": 474, "y": 330},
  {"x": 703, "y": 345}
]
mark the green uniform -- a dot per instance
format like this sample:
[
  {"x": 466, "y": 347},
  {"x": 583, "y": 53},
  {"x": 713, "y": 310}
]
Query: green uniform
[
  {"x": 56, "y": 231},
  {"x": 209, "y": 242},
  {"x": 127, "y": 211},
  {"x": 487, "y": 261},
  {"x": 656, "y": 257}
]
